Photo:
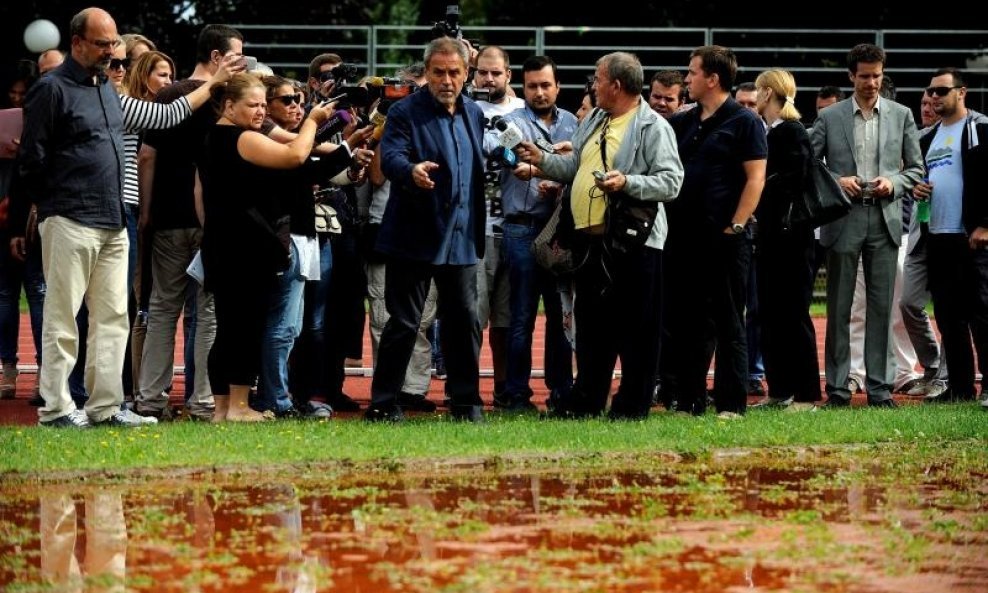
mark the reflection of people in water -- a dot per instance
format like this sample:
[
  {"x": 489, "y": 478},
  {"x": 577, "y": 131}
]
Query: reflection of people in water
[{"x": 106, "y": 541}]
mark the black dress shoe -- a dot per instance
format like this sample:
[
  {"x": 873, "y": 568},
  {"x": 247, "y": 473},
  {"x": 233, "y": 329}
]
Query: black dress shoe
[
  {"x": 342, "y": 402},
  {"x": 627, "y": 415},
  {"x": 520, "y": 405},
  {"x": 836, "y": 401},
  {"x": 383, "y": 414},
  {"x": 884, "y": 403},
  {"x": 415, "y": 402},
  {"x": 468, "y": 414}
]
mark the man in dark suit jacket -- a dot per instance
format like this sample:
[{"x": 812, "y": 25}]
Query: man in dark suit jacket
[
  {"x": 433, "y": 229},
  {"x": 872, "y": 145}
]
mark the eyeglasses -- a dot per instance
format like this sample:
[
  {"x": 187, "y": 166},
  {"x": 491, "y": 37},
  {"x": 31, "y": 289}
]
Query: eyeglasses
[
  {"x": 117, "y": 63},
  {"x": 940, "y": 91},
  {"x": 287, "y": 100},
  {"x": 103, "y": 44}
]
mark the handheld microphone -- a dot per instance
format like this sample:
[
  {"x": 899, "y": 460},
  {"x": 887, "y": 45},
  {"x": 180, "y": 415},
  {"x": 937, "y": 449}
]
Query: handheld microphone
[
  {"x": 380, "y": 113},
  {"x": 334, "y": 125},
  {"x": 509, "y": 134},
  {"x": 508, "y": 137}
]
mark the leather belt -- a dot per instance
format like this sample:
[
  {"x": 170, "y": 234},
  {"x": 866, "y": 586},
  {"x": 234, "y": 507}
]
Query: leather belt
[{"x": 523, "y": 218}]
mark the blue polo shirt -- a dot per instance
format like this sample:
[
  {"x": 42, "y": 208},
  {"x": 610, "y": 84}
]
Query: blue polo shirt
[{"x": 713, "y": 152}]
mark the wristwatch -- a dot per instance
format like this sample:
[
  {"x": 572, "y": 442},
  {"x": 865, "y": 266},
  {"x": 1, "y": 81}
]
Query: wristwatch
[{"x": 737, "y": 228}]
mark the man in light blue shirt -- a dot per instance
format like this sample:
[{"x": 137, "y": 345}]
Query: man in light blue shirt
[{"x": 528, "y": 202}]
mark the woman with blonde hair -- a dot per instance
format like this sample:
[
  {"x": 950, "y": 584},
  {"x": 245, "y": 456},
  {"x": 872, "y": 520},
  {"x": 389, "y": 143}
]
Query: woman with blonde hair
[
  {"x": 785, "y": 252},
  {"x": 246, "y": 240},
  {"x": 137, "y": 45},
  {"x": 148, "y": 74}
]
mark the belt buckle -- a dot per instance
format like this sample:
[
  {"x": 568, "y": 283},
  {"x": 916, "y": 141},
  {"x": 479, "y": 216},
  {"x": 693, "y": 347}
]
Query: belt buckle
[{"x": 868, "y": 201}]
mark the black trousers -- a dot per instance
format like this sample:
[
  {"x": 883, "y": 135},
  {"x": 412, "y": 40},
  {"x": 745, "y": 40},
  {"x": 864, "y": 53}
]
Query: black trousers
[
  {"x": 405, "y": 289},
  {"x": 958, "y": 277},
  {"x": 706, "y": 289},
  {"x": 618, "y": 313},
  {"x": 785, "y": 272}
]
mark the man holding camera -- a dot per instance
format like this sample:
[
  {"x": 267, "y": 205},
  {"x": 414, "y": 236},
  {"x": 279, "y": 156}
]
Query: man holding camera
[{"x": 490, "y": 90}]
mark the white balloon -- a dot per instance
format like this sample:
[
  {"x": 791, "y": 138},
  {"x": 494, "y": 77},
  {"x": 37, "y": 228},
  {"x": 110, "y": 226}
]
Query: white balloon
[{"x": 41, "y": 35}]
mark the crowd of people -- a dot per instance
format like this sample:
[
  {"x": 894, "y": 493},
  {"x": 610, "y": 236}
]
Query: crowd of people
[{"x": 266, "y": 211}]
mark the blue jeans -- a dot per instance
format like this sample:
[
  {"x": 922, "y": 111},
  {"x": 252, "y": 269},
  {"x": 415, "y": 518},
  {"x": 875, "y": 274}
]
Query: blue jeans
[
  {"x": 284, "y": 324},
  {"x": 13, "y": 275},
  {"x": 306, "y": 372},
  {"x": 527, "y": 282}
]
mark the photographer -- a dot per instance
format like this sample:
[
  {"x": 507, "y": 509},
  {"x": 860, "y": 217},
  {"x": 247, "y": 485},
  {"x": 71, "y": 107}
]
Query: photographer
[
  {"x": 328, "y": 340},
  {"x": 493, "y": 74}
]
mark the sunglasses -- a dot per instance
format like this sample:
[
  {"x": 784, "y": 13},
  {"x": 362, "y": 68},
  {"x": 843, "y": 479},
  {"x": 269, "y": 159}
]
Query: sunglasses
[
  {"x": 117, "y": 63},
  {"x": 940, "y": 91},
  {"x": 287, "y": 100}
]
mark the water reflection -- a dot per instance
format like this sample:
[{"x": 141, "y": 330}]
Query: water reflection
[
  {"x": 103, "y": 552},
  {"x": 756, "y": 522}
]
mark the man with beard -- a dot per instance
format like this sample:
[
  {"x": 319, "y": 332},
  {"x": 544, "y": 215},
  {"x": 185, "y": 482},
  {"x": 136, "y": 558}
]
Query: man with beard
[
  {"x": 957, "y": 230},
  {"x": 72, "y": 157},
  {"x": 493, "y": 73},
  {"x": 528, "y": 203}
]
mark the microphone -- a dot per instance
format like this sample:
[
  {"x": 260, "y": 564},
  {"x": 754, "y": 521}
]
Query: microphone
[
  {"x": 509, "y": 134},
  {"x": 508, "y": 137},
  {"x": 378, "y": 118},
  {"x": 380, "y": 113},
  {"x": 334, "y": 125}
]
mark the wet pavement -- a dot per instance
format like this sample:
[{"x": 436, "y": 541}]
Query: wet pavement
[{"x": 850, "y": 520}]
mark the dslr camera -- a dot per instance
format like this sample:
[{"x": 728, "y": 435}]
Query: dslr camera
[
  {"x": 450, "y": 26},
  {"x": 341, "y": 73},
  {"x": 478, "y": 94}
]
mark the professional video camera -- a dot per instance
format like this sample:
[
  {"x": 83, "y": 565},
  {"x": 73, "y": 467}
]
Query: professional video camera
[
  {"x": 387, "y": 87},
  {"x": 450, "y": 26}
]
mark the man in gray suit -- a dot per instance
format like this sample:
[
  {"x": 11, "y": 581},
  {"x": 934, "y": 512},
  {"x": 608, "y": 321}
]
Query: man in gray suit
[{"x": 872, "y": 145}]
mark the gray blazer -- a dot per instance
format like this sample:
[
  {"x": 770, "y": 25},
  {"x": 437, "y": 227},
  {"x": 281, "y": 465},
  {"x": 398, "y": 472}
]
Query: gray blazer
[{"x": 899, "y": 158}]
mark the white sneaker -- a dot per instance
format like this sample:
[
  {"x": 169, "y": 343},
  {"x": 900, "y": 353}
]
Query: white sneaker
[
  {"x": 918, "y": 388},
  {"x": 725, "y": 415},
  {"x": 127, "y": 419},
  {"x": 935, "y": 388},
  {"x": 74, "y": 419},
  {"x": 802, "y": 407},
  {"x": 984, "y": 401}
]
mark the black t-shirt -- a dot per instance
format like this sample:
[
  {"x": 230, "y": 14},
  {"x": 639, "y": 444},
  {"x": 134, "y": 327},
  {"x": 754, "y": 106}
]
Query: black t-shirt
[{"x": 178, "y": 151}]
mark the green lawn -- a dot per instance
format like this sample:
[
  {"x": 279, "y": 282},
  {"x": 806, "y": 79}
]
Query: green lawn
[{"x": 182, "y": 445}]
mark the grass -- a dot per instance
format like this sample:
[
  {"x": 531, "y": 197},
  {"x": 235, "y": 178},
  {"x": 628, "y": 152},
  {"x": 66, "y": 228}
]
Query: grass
[{"x": 50, "y": 453}]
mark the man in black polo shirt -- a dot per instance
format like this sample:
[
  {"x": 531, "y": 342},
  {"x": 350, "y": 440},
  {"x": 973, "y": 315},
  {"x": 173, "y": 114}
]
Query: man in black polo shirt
[
  {"x": 72, "y": 165},
  {"x": 724, "y": 152}
]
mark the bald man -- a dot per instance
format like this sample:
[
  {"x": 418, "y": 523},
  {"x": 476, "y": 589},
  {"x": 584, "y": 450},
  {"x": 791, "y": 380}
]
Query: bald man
[
  {"x": 72, "y": 167},
  {"x": 49, "y": 60}
]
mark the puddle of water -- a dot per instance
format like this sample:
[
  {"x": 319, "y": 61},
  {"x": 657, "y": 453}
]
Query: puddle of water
[{"x": 835, "y": 523}]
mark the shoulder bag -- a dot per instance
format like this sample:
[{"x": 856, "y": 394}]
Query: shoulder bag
[
  {"x": 548, "y": 249},
  {"x": 822, "y": 200},
  {"x": 629, "y": 221}
]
